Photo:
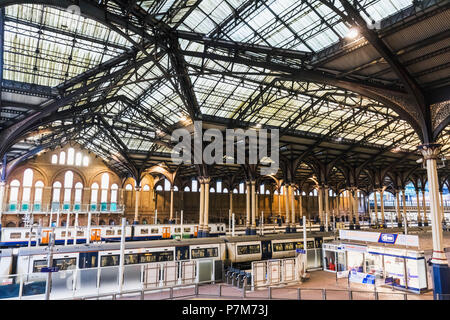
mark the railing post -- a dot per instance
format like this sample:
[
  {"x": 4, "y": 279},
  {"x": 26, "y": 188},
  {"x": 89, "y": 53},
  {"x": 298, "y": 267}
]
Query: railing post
[
  {"x": 171, "y": 293},
  {"x": 244, "y": 287},
  {"x": 350, "y": 295},
  {"x": 270, "y": 293},
  {"x": 324, "y": 294},
  {"x": 142, "y": 294},
  {"x": 299, "y": 294},
  {"x": 220, "y": 290},
  {"x": 405, "y": 296},
  {"x": 376, "y": 295},
  {"x": 196, "y": 289}
]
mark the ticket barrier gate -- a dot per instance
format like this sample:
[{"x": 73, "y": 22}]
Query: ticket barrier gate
[
  {"x": 275, "y": 272},
  {"x": 237, "y": 278}
]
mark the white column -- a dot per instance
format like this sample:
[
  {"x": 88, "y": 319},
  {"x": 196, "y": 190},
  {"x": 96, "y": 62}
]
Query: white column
[
  {"x": 206, "y": 208},
  {"x": 300, "y": 204},
  {"x": 88, "y": 235},
  {"x": 430, "y": 154}
]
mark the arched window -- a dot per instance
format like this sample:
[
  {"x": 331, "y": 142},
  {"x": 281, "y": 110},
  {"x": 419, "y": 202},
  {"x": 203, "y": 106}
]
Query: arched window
[
  {"x": 166, "y": 185},
  {"x": 241, "y": 188},
  {"x": 268, "y": 191},
  {"x": 219, "y": 186},
  {"x": 38, "y": 188},
  {"x": 159, "y": 188},
  {"x": 78, "y": 159},
  {"x": 78, "y": 193},
  {"x": 225, "y": 190},
  {"x": 186, "y": 189},
  {"x": 27, "y": 184},
  {"x": 275, "y": 192},
  {"x": 54, "y": 159},
  {"x": 146, "y": 188},
  {"x": 175, "y": 188},
  {"x": 315, "y": 192},
  {"x": 94, "y": 194},
  {"x": 104, "y": 194},
  {"x": 62, "y": 157},
  {"x": 56, "y": 195},
  {"x": 129, "y": 187},
  {"x": 71, "y": 156},
  {"x": 262, "y": 189},
  {"x": 235, "y": 191},
  {"x": 14, "y": 194},
  {"x": 68, "y": 184},
  {"x": 212, "y": 190},
  {"x": 114, "y": 190},
  {"x": 194, "y": 186},
  {"x": 85, "y": 161}
]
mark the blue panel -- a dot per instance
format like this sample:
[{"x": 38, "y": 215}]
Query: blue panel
[{"x": 441, "y": 281}]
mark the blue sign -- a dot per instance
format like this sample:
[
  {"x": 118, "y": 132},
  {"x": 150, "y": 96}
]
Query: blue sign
[
  {"x": 52, "y": 269},
  {"x": 387, "y": 238},
  {"x": 300, "y": 251}
]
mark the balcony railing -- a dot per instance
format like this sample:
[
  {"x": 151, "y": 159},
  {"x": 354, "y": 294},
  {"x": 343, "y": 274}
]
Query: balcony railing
[{"x": 38, "y": 208}]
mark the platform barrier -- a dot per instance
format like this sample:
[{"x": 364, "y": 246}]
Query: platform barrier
[
  {"x": 105, "y": 280},
  {"x": 274, "y": 272}
]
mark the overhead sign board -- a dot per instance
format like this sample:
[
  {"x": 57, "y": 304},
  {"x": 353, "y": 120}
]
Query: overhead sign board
[
  {"x": 52, "y": 269},
  {"x": 378, "y": 237}
]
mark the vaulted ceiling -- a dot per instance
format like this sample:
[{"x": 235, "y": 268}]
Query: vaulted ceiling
[{"x": 353, "y": 86}]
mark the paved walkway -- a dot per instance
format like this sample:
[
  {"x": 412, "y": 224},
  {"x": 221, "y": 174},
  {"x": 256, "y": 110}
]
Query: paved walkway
[{"x": 336, "y": 290}]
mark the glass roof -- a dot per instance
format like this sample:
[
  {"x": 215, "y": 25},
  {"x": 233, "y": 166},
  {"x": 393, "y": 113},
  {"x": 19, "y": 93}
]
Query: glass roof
[{"x": 49, "y": 46}]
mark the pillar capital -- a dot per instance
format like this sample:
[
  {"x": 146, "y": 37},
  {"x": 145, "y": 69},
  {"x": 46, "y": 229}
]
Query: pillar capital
[
  {"x": 207, "y": 180},
  {"x": 430, "y": 151},
  {"x": 138, "y": 188}
]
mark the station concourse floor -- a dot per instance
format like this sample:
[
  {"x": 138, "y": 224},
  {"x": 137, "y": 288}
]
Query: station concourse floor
[{"x": 318, "y": 280}]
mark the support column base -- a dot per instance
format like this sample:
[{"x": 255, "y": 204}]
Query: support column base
[
  {"x": 205, "y": 234},
  {"x": 441, "y": 282},
  {"x": 419, "y": 223},
  {"x": 425, "y": 224},
  {"x": 199, "y": 234},
  {"x": 135, "y": 222}
]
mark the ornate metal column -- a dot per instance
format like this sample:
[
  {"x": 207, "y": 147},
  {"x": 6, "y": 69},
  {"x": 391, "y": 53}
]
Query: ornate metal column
[
  {"x": 320, "y": 199},
  {"x": 247, "y": 221},
  {"x": 253, "y": 208},
  {"x": 375, "y": 205},
  {"x": 202, "y": 205},
  {"x": 327, "y": 208},
  {"x": 171, "y": 204},
  {"x": 136, "y": 206},
  {"x": 286, "y": 203},
  {"x": 399, "y": 215},
  {"x": 404, "y": 206},
  {"x": 383, "y": 219},
  {"x": 356, "y": 208},
  {"x": 292, "y": 192},
  {"x": 441, "y": 271}
]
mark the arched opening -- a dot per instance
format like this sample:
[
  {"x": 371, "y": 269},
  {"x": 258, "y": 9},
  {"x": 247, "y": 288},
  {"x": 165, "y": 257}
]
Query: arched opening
[
  {"x": 68, "y": 184},
  {"x": 114, "y": 191},
  {"x": 78, "y": 196},
  {"x": 56, "y": 197},
  {"x": 62, "y": 158},
  {"x": 27, "y": 184},
  {"x": 38, "y": 189},
  {"x": 104, "y": 194},
  {"x": 94, "y": 196}
]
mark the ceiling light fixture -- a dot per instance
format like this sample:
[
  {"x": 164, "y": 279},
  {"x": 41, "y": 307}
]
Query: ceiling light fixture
[{"x": 352, "y": 33}]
